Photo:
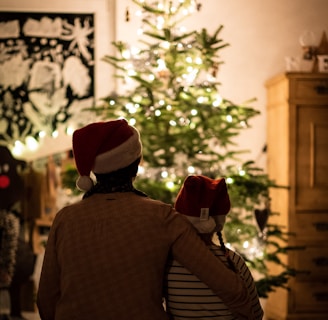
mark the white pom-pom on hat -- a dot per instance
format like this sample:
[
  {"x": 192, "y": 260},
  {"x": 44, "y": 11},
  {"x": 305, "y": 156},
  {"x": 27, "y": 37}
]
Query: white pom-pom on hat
[{"x": 84, "y": 183}]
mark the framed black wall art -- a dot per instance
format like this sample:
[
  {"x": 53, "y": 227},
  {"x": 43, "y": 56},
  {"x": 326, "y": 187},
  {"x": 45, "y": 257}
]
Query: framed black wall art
[{"x": 47, "y": 63}]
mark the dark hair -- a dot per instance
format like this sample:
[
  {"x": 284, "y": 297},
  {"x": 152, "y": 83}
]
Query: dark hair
[
  {"x": 121, "y": 175},
  {"x": 117, "y": 181},
  {"x": 226, "y": 252}
]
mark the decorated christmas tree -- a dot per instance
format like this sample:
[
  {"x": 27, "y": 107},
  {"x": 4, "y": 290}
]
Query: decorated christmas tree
[{"x": 167, "y": 87}]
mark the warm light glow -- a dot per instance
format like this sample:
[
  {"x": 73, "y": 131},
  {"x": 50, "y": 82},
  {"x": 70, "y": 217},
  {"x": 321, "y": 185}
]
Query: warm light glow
[
  {"x": 245, "y": 244},
  {"x": 31, "y": 143},
  {"x": 135, "y": 51},
  {"x": 70, "y": 131},
  {"x": 173, "y": 9},
  {"x": 210, "y": 78},
  {"x": 242, "y": 172},
  {"x": 229, "y": 118},
  {"x": 170, "y": 185},
  {"x": 141, "y": 170},
  {"x": 229, "y": 180},
  {"x": 131, "y": 107},
  {"x": 126, "y": 54},
  {"x": 164, "y": 174},
  {"x": 253, "y": 249},
  {"x": 18, "y": 148},
  {"x": 192, "y": 73},
  {"x": 217, "y": 102},
  {"x": 165, "y": 44},
  {"x": 137, "y": 98},
  {"x": 191, "y": 169},
  {"x": 243, "y": 124},
  {"x": 198, "y": 61},
  {"x": 132, "y": 122},
  {"x": 160, "y": 23},
  {"x": 131, "y": 73},
  {"x": 161, "y": 64}
]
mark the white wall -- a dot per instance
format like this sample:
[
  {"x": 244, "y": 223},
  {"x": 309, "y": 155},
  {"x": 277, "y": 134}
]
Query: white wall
[{"x": 260, "y": 33}]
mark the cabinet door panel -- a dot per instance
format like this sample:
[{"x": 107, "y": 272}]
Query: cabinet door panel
[
  {"x": 311, "y": 159},
  {"x": 310, "y": 227}
]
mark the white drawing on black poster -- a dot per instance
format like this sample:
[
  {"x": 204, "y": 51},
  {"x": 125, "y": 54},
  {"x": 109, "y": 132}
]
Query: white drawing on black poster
[{"x": 46, "y": 72}]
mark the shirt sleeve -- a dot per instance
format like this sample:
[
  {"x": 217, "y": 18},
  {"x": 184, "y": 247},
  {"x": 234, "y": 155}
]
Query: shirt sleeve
[{"x": 190, "y": 251}]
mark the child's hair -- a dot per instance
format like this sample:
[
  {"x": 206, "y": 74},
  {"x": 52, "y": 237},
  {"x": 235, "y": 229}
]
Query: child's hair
[{"x": 226, "y": 252}]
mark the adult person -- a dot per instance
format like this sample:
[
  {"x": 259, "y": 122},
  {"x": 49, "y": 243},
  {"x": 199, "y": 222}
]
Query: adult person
[
  {"x": 12, "y": 271},
  {"x": 205, "y": 202},
  {"x": 105, "y": 256}
]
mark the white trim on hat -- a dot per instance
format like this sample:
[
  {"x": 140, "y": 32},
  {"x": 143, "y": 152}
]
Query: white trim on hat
[
  {"x": 121, "y": 156},
  {"x": 214, "y": 223},
  {"x": 203, "y": 226}
]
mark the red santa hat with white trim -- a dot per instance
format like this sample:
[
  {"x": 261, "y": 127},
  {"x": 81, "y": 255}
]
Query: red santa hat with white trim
[
  {"x": 104, "y": 147},
  {"x": 204, "y": 201}
]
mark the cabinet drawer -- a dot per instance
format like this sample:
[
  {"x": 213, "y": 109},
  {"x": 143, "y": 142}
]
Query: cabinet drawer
[
  {"x": 314, "y": 89},
  {"x": 312, "y": 227},
  {"x": 310, "y": 297},
  {"x": 312, "y": 262}
]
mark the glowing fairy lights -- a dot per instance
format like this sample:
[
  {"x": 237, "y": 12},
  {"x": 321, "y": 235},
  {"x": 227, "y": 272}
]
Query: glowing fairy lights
[{"x": 32, "y": 144}]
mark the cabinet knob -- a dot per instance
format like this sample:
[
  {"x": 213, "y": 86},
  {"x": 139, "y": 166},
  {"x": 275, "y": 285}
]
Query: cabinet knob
[
  {"x": 321, "y": 296},
  {"x": 322, "y": 89},
  {"x": 321, "y": 226},
  {"x": 321, "y": 261}
]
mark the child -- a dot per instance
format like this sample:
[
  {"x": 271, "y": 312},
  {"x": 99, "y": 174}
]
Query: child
[{"x": 205, "y": 202}]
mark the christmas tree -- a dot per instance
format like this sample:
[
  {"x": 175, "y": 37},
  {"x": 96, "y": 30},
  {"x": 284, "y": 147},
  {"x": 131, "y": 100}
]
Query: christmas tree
[{"x": 168, "y": 89}]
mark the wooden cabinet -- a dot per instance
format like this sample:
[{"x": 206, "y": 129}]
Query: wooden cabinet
[{"x": 297, "y": 155}]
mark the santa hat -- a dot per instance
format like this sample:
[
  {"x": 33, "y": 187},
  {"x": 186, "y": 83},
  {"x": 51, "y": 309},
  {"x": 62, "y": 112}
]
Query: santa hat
[
  {"x": 204, "y": 201},
  {"x": 104, "y": 147}
]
